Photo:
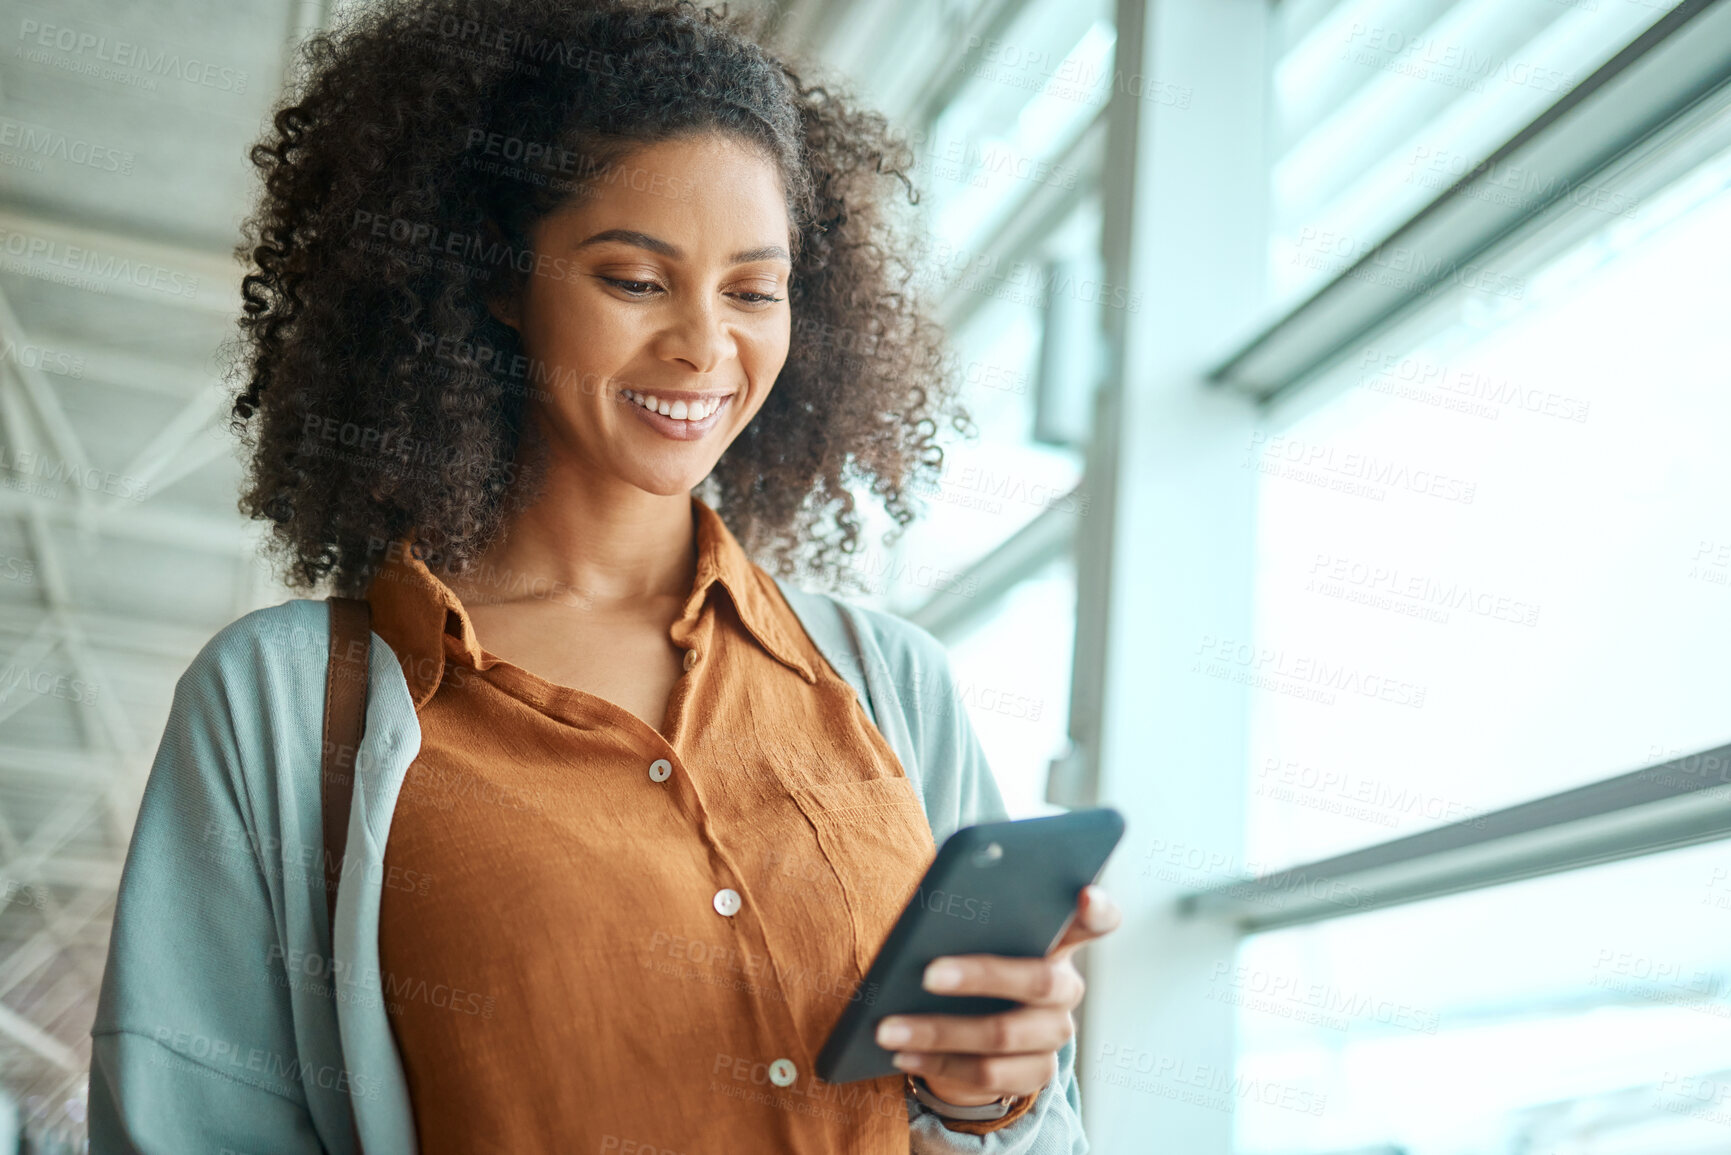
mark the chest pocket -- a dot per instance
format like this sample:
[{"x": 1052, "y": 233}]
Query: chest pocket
[{"x": 875, "y": 837}]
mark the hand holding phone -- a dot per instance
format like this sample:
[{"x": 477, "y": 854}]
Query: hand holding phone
[
  {"x": 1002, "y": 901},
  {"x": 965, "y": 1060}
]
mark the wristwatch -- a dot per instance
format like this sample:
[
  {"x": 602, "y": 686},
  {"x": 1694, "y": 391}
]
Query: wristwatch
[{"x": 995, "y": 1110}]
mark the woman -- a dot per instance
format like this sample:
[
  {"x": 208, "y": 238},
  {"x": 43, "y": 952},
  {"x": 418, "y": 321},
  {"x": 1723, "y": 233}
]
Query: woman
[{"x": 530, "y": 274}]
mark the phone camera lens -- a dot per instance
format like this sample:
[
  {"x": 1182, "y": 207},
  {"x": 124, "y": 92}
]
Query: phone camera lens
[{"x": 988, "y": 854}]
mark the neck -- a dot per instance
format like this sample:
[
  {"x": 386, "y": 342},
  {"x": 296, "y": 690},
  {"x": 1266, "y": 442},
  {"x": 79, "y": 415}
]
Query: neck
[{"x": 606, "y": 540}]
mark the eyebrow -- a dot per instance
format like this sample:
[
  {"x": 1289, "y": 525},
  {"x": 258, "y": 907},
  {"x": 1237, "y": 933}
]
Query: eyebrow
[{"x": 657, "y": 245}]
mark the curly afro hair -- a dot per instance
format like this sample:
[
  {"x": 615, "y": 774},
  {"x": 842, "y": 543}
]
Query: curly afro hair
[{"x": 417, "y": 146}]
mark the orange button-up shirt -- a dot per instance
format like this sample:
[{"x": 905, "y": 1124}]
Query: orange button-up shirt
[{"x": 634, "y": 941}]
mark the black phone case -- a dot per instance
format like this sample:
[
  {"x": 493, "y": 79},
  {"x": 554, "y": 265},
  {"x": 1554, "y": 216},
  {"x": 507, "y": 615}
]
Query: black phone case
[{"x": 1004, "y": 888}]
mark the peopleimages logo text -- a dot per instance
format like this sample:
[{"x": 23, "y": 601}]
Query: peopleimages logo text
[{"x": 126, "y": 54}]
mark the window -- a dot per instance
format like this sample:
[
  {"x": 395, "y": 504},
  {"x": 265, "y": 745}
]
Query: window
[
  {"x": 1488, "y": 570},
  {"x": 1012, "y": 668},
  {"x": 1381, "y": 104},
  {"x": 1492, "y": 565},
  {"x": 1007, "y": 174},
  {"x": 1587, "y": 1012}
]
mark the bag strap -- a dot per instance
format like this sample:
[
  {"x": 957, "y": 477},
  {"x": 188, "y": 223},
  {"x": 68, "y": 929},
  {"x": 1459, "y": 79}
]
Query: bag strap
[{"x": 345, "y": 722}]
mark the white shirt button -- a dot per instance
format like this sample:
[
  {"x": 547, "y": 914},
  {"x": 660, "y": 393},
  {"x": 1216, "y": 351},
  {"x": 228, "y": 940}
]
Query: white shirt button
[
  {"x": 690, "y": 658},
  {"x": 782, "y": 1072},
  {"x": 727, "y": 901},
  {"x": 660, "y": 769}
]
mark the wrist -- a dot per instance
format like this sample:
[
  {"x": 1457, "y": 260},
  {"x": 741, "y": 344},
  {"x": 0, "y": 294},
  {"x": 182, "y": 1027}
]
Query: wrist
[
  {"x": 959, "y": 1094},
  {"x": 972, "y": 1113}
]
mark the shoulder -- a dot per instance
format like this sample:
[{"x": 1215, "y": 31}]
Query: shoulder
[
  {"x": 906, "y": 642},
  {"x": 956, "y": 785},
  {"x": 286, "y": 630},
  {"x": 247, "y": 703},
  {"x": 268, "y": 644},
  {"x": 917, "y": 662},
  {"x": 895, "y": 640}
]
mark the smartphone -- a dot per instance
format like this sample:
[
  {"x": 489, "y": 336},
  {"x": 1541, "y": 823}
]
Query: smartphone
[{"x": 1004, "y": 888}]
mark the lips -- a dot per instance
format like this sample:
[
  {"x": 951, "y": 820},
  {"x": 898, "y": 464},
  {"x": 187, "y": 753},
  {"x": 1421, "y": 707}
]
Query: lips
[
  {"x": 684, "y": 427},
  {"x": 694, "y": 410}
]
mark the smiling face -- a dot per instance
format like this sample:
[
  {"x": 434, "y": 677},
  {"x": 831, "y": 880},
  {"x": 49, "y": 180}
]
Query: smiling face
[{"x": 640, "y": 297}]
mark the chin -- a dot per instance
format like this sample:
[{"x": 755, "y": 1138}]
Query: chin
[{"x": 666, "y": 485}]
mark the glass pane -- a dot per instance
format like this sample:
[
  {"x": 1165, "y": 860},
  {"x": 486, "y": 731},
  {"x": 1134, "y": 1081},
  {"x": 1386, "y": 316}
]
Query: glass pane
[
  {"x": 1023, "y": 98},
  {"x": 1379, "y": 105},
  {"x": 1498, "y": 565},
  {"x": 992, "y": 485},
  {"x": 1012, "y": 668},
  {"x": 1587, "y": 1013},
  {"x": 1016, "y": 98}
]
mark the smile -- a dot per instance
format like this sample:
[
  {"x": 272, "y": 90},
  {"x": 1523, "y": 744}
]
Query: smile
[{"x": 680, "y": 420}]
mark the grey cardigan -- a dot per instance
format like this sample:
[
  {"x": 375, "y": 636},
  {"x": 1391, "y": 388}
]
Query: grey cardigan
[{"x": 216, "y": 1029}]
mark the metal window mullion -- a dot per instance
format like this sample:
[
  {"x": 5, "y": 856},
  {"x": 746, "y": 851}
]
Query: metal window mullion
[
  {"x": 1671, "y": 68},
  {"x": 1677, "y": 803}
]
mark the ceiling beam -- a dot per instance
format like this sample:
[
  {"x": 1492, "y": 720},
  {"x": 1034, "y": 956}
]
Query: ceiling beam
[
  {"x": 53, "y": 832},
  {"x": 27, "y": 1034},
  {"x": 124, "y": 368},
  {"x": 80, "y": 872},
  {"x": 44, "y": 401},
  {"x": 77, "y": 769},
  {"x": 115, "y": 632},
  {"x": 159, "y": 525},
  {"x": 120, "y": 265},
  {"x": 189, "y": 441}
]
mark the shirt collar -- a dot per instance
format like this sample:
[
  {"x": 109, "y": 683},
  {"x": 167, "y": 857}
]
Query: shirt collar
[{"x": 424, "y": 622}]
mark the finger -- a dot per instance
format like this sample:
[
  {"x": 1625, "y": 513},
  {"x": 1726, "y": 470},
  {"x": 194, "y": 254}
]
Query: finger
[
  {"x": 1043, "y": 982},
  {"x": 1014, "y": 1032},
  {"x": 987, "y": 1074},
  {"x": 1096, "y": 916}
]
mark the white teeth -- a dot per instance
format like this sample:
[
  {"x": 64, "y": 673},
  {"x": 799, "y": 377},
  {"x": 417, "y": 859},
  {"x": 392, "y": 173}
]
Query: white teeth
[{"x": 677, "y": 410}]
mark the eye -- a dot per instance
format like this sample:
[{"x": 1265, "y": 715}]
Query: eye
[
  {"x": 635, "y": 288},
  {"x": 757, "y": 298}
]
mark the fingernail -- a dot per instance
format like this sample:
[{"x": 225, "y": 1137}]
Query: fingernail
[
  {"x": 893, "y": 1034},
  {"x": 906, "y": 1060},
  {"x": 943, "y": 976}
]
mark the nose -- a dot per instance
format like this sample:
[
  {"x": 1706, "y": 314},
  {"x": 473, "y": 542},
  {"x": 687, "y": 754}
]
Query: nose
[{"x": 697, "y": 337}]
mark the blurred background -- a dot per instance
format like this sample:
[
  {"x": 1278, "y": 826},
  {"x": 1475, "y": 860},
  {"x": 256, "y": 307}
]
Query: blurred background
[{"x": 1353, "y": 380}]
